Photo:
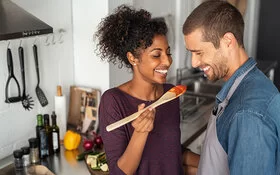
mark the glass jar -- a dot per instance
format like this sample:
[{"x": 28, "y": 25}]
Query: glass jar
[
  {"x": 34, "y": 151},
  {"x": 25, "y": 156},
  {"x": 18, "y": 159}
]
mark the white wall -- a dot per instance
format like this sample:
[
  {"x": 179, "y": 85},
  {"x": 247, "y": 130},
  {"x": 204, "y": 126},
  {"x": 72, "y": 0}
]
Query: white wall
[
  {"x": 89, "y": 70},
  {"x": 117, "y": 75},
  {"x": 72, "y": 62},
  {"x": 251, "y": 19},
  {"x": 56, "y": 67}
]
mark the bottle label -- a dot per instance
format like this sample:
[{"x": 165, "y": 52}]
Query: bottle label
[
  {"x": 55, "y": 140},
  {"x": 43, "y": 143},
  {"x": 34, "y": 155},
  {"x": 26, "y": 160}
]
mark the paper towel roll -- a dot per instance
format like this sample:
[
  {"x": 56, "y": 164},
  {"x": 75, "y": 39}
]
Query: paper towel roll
[{"x": 60, "y": 110}]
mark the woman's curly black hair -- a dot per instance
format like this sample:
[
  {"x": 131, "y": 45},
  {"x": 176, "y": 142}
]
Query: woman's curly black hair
[{"x": 126, "y": 30}]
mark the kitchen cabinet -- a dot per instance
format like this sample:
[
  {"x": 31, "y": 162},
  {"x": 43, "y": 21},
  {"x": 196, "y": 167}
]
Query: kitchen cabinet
[
  {"x": 18, "y": 23},
  {"x": 268, "y": 35}
]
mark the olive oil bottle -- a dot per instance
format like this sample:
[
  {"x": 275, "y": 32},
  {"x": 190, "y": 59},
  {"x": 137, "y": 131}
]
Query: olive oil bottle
[
  {"x": 42, "y": 137},
  {"x": 49, "y": 133},
  {"x": 55, "y": 134}
]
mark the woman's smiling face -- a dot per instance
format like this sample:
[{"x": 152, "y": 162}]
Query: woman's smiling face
[{"x": 154, "y": 62}]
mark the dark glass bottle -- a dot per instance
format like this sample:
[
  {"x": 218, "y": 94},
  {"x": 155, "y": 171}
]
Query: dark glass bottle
[
  {"x": 55, "y": 134},
  {"x": 42, "y": 137},
  {"x": 48, "y": 132}
]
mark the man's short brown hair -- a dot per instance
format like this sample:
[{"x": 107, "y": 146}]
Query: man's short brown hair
[{"x": 215, "y": 18}]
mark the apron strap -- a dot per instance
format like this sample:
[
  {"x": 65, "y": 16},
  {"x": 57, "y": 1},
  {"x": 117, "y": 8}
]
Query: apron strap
[{"x": 221, "y": 107}]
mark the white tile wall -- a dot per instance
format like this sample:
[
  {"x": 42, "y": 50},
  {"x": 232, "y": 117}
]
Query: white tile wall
[
  {"x": 56, "y": 67},
  {"x": 72, "y": 62}
]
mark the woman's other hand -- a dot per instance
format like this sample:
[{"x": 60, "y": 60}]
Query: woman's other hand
[
  {"x": 145, "y": 122},
  {"x": 190, "y": 162}
]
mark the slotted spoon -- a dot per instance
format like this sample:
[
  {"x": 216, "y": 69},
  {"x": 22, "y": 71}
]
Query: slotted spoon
[
  {"x": 39, "y": 92},
  {"x": 26, "y": 100},
  {"x": 173, "y": 93}
]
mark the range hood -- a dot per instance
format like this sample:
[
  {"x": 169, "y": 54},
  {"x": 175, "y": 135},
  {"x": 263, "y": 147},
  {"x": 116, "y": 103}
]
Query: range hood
[{"x": 15, "y": 22}]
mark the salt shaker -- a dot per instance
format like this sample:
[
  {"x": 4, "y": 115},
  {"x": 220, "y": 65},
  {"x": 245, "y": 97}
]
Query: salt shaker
[
  {"x": 25, "y": 156},
  {"x": 34, "y": 150},
  {"x": 18, "y": 159}
]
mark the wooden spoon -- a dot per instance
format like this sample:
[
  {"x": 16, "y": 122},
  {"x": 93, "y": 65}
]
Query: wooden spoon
[{"x": 171, "y": 94}]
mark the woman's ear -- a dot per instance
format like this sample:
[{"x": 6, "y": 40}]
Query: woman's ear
[{"x": 131, "y": 58}]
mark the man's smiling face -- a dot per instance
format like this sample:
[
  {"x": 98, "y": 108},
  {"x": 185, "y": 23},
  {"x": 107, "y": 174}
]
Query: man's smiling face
[{"x": 206, "y": 57}]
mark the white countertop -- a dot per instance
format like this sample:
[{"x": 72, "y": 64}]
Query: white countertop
[{"x": 59, "y": 164}]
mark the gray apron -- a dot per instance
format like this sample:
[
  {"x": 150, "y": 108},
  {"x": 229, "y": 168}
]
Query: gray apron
[{"x": 213, "y": 159}]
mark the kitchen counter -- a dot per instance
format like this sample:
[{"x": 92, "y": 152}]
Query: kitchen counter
[
  {"x": 64, "y": 163},
  {"x": 194, "y": 126}
]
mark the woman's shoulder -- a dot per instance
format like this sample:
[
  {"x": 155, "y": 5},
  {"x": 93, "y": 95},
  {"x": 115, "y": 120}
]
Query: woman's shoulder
[{"x": 112, "y": 93}]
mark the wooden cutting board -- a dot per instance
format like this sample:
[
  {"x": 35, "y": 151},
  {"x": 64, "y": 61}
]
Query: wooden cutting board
[{"x": 95, "y": 172}]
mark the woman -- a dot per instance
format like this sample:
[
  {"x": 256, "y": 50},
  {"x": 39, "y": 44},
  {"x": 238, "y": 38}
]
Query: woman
[{"x": 151, "y": 143}]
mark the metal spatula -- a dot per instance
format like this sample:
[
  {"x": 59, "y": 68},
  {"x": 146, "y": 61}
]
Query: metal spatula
[
  {"x": 173, "y": 93},
  {"x": 39, "y": 92}
]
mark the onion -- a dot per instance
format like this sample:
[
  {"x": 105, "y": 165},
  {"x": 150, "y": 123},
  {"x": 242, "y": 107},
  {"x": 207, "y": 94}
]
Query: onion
[
  {"x": 88, "y": 144},
  {"x": 98, "y": 140}
]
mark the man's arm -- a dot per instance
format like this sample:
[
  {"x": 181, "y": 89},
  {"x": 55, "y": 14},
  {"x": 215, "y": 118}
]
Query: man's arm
[{"x": 252, "y": 144}]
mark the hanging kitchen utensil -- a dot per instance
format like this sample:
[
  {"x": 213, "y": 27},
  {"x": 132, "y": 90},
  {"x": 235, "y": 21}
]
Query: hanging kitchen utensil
[
  {"x": 11, "y": 76},
  {"x": 39, "y": 92},
  {"x": 171, "y": 94},
  {"x": 26, "y": 100}
]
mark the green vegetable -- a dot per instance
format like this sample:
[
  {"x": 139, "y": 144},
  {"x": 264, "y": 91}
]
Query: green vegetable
[
  {"x": 97, "y": 161},
  {"x": 83, "y": 154},
  {"x": 104, "y": 167}
]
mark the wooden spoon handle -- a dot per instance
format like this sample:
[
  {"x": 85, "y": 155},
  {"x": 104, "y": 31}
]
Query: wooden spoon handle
[
  {"x": 124, "y": 121},
  {"x": 167, "y": 97}
]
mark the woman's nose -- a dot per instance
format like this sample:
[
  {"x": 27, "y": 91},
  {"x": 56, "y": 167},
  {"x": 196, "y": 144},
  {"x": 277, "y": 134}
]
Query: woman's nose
[{"x": 167, "y": 60}]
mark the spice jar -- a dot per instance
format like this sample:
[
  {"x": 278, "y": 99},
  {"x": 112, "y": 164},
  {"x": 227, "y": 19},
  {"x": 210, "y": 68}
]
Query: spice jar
[
  {"x": 25, "y": 156},
  {"x": 18, "y": 159},
  {"x": 34, "y": 150}
]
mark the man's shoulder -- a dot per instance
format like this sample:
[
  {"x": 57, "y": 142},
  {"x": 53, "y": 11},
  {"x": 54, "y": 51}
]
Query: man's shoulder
[
  {"x": 273, "y": 109},
  {"x": 256, "y": 89},
  {"x": 256, "y": 97}
]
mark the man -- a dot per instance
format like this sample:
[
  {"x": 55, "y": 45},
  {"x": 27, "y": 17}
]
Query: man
[{"x": 243, "y": 133}]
